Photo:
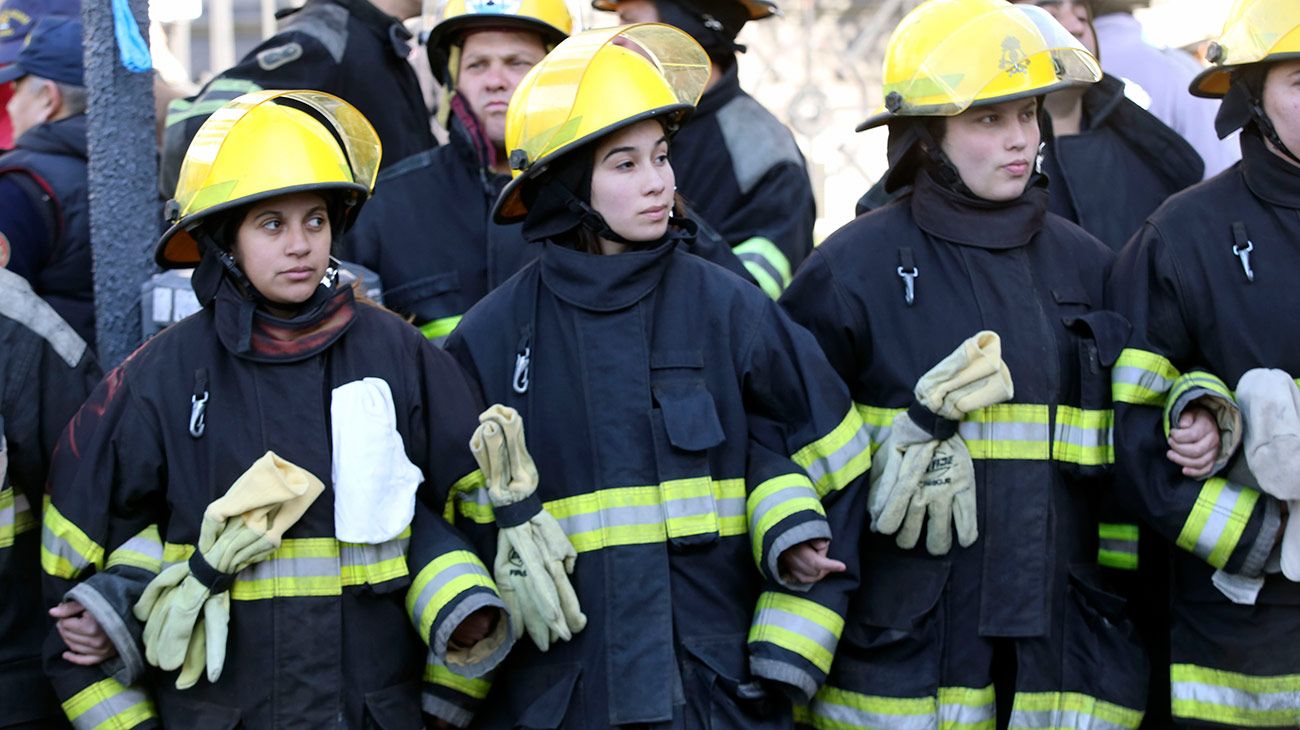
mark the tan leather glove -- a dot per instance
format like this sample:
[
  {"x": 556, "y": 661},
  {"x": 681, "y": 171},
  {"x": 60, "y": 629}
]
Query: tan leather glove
[
  {"x": 243, "y": 527},
  {"x": 924, "y": 469},
  {"x": 534, "y": 556}
]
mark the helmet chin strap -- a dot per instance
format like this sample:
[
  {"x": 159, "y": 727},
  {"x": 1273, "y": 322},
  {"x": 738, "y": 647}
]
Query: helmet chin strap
[
  {"x": 1269, "y": 131},
  {"x": 590, "y": 218},
  {"x": 232, "y": 269},
  {"x": 939, "y": 165}
]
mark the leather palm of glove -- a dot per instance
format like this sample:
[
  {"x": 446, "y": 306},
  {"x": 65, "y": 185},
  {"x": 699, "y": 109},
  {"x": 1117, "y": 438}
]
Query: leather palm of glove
[
  {"x": 534, "y": 556},
  {"x": 924, "y": 468},
  {"x": 186, "y": 609}
]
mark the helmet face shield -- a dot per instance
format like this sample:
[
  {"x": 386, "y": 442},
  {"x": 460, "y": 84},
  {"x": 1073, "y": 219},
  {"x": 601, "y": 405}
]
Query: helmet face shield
[
  {"x": 1256, "y": 31},
  {"x": 264, "y": 144},
  {"x": 593, "y": 83},
  {"x": 949, "y": 55}
]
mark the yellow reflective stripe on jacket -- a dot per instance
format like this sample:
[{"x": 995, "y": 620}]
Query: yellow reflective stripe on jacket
[
  {"x": 1141, "y": 378},
  {"x": 1230, "y": 698},
  {"x": 773, "y": 501},
  {"x": 797, "y": 625},
  {"x": 1084, "y": 436},
  {"x": 311, "y": 566},
  {"x": 956, "y": 708},
  {"x": 108, "y": 705},
  {"x": 65, "y": 550},
  {"x": 839, "y": 457},
  {"x": 441, "y": 582},
  {"x": 144, "y": 551},
  {"x": 765, "y": 262},
  {"x": 15, "y": 516},
  {"x": 1218, "y": 520},
  {"x": 1193, "y": 380},
  {"x": 1019, "y": 431},
  {"x": 1008, "y": 431},
  {"x": 437, "y": 330},
  {"x": 628, "y": 515},
  {"x": 1117, "y": 545},
  {"x": 444, "y": 677},
  {"x": 1069, "y": 711},
  {"x": 639, "y": 515}
]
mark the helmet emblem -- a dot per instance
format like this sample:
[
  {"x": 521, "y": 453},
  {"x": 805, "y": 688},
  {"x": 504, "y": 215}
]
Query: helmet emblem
[
  {"x": 1013, "y": 59},
  {"x": 494, "y": 7}
]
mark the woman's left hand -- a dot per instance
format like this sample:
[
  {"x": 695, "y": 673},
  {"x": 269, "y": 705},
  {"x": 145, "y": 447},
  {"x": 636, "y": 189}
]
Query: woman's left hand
[
  {"x": 87, "y": 642},
  {"x": 807, "y": 562}
]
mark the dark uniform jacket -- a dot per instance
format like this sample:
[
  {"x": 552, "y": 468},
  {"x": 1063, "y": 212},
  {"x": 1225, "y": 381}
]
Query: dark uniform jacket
[
  {"x": 1037, "y": 281},
  {"x": 323, "y": 633},
  {"x": 743, "y": 174},
  {"x": 428, "y": 233},
  {"x": 46, "y": 371},
  {"x": 1194, "y": 307},
  {"x": 686, "y": 434},
  {"x": 348, "y": 48},
  {"x": 1119, "y": 168},
  {"x": 49, "y": 164}
]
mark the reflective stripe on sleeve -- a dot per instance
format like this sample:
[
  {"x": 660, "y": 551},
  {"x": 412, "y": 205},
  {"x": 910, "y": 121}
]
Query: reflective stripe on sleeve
[
  {"x": 218, "y": 93},
  {"x": 1141, "y": 378},
  {"x": 440, "y": 583},
  {"x": 144, "y": 551},
  {"x": 15, "y": 516},
  {"x": 66, "y": 551},
  {"x": 765, "y": 262},
  {"x": 1237, "y": 700},
  {"x": 1217, "y": 520},
  {"x": 1069, "y": 711},
  {"x": 1117, "y": 545},
  {"x": 437, "y": 331},
  {"x": 108, "y": 705},
  {"x": 839, "y": 457},
  {"x": 773, "y": 501},
  {"x": 955, "y": 708},
  {"x": 797, "y": 625},
  {"x": 440, "y": 675}
]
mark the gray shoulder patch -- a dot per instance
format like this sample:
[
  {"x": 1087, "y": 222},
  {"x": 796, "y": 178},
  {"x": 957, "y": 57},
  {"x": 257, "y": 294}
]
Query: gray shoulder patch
[
  {"x": 326, "y": 22},
  {"x": 273, "y": 58},
  {"x": 755, "y": 139},
  {"x": 19, "y": 303}
]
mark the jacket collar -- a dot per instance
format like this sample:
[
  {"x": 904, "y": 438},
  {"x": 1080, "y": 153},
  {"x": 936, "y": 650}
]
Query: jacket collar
[
  {"x": 65, "y": 137},
  {"x": 604, "y": 283},
  {"x": 727, "y": 88},
  {"x": 1271, "y": 178},
  {"x": 254, "y": 334},
  {"x": 950, "y": 216},
  {"x": 1101, "y": 99}
]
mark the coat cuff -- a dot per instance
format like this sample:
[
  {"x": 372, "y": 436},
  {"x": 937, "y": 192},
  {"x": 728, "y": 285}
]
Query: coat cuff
[
  {"x": 811, "y": 529},
  {"x": 97, "y": 595},
  {"x": 783, "y": 511},
  {"x": 444, "y": 593},
  {"x": 792, "y": 641}
]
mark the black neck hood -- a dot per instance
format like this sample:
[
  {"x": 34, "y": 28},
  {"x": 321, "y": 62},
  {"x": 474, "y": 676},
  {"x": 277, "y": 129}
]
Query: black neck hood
[{"x": 972, "y": 221}]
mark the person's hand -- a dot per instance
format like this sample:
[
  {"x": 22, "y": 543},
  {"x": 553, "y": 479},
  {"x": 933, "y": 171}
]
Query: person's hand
[
  {"x": 1194, "y": 443},
  {"x": 475, "y": 628},
  {"x": 87, "y": 643},
  {"x": 807, "y": 562}
]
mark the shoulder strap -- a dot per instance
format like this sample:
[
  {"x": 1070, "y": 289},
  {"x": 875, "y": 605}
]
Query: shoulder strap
[{"x": 42, "y": 196}]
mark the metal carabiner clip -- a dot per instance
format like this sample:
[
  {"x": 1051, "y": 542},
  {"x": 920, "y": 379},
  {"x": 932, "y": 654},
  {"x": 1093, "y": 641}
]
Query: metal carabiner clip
[
  {"x": 197, "y": 408},
  {"x": 909, "y": 283},
  {"x": 519, "y": 382},
  {"x": 1241, "y": 248}
]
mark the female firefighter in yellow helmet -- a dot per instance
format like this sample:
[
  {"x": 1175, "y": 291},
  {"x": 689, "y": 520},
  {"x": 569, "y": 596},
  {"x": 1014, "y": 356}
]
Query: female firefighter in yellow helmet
[
  {"x": 692, "y": 443},
  {"x": 1209, "y": 284},
  {"x": 249, "y": 506},
  {"x": 969, "y": 325}
]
